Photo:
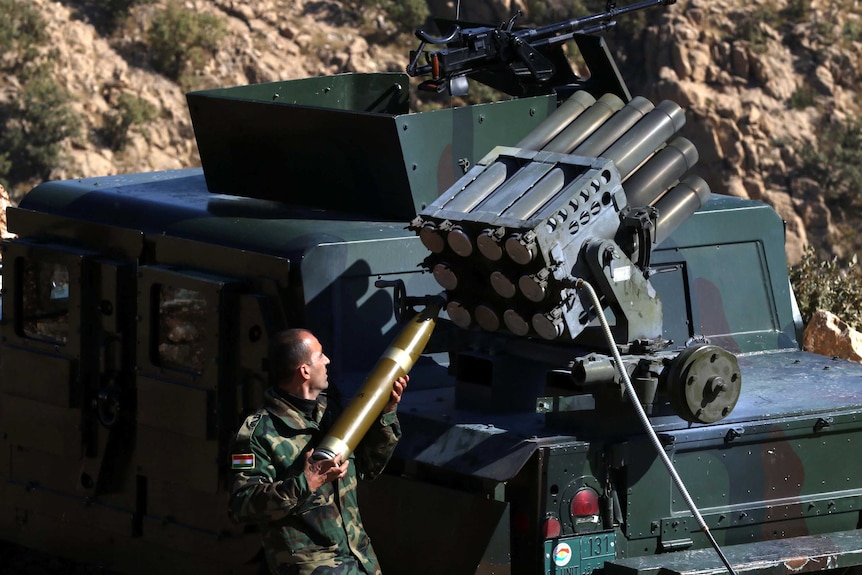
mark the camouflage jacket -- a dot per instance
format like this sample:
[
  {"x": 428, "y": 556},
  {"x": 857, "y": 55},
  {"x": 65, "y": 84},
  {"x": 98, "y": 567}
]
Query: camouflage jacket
[{"x": 305, "y": 532}]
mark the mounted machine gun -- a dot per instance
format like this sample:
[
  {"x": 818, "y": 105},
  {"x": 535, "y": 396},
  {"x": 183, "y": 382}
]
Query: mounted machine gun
[{"x": 515, "y": 61}]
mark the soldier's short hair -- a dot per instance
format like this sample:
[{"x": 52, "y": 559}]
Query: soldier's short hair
[{"x": 288, "y": 350}]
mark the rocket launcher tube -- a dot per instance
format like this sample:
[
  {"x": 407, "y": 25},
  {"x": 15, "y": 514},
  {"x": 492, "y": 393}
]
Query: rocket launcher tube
[
  {"x": 614, "y": 128},
  {"x": 583, "y": 127},
  {"x": 494, "y": 175},
  {"x": 678, "y": 204},
  {"x": 480, "y": 188},
  {"x": 660, "y": 172},
  {"x": 544, "y": 136},
  {"x": 539, "y": 137},
  {"x": 649, "y": 134},
  {"x": 364, "y": 409},
  {"x": 538, "y": 195}
]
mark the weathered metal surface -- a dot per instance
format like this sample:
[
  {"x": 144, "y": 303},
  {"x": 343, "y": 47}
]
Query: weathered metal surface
[
  {"x": 807, "y": 554},
  {"x": 350, "y": 138}
]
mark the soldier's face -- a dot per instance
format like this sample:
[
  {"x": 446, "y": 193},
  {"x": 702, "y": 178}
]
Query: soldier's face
[{"x": 318, "y": 380}]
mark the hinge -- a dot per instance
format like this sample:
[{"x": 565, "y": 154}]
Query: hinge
[{"x": 675, "y": 545}]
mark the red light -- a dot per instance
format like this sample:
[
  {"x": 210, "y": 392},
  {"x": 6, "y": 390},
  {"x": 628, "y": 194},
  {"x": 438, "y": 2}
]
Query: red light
[
  {"x": 520, "y": 522},
  {"x": 585, "y": 503},
  {"x": 552, "y": 528}
]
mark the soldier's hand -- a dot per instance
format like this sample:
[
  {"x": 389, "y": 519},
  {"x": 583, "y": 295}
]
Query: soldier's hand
[
  {"x": 398, "y": 388},
  {"x": 317, "y": 473}
]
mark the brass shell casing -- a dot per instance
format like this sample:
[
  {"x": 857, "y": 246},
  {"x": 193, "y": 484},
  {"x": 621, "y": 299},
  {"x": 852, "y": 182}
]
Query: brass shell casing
[{"x": 366, "y": 406}]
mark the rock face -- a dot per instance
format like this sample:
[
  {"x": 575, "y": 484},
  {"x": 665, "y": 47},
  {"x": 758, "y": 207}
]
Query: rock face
[
  {"x": 742, "y": 81},
  {"x": 827, "y": 335},
  {"x": 740, "y": 69}
]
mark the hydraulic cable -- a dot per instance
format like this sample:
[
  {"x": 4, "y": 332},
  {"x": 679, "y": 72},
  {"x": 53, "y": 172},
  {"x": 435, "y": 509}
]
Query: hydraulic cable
[{"x": 630, "y": 390}]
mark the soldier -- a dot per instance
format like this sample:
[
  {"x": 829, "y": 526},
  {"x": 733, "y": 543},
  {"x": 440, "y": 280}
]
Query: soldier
[{"x": 306, "y": 509}]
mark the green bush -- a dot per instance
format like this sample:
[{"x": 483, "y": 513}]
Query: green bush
[
  {"x": 836, "y": 162},
  {"x": 829, "y": 285},
  {"x": 407, "y": 14},
  {"x": 797, "y": 10},
  {"x": 5, "y": 166},
  {"x": 130, "y": 111},
  {"x": 750, "y": 29},
  {"x": 32, "y": 129},
  {"x": 180, "y": 41},
  {"x": 109, "y": 15},
  {"x": 803, "y": 97},
  {"x": 852, "y": 31},
  {"x": 22, "y": 32}
]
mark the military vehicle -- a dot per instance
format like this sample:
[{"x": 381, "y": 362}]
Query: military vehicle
[{"x": 614, "y": 383}]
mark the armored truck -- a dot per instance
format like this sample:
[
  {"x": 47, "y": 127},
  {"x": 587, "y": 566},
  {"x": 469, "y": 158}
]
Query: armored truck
[{"x": 614, "y": 384}]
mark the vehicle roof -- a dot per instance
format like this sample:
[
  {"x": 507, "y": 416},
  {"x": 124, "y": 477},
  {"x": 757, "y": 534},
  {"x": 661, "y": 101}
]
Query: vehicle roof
[{"x": 178, "y": 203}]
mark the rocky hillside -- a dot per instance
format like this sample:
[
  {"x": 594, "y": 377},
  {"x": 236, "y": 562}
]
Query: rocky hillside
[{"x": 762, "y": 82}]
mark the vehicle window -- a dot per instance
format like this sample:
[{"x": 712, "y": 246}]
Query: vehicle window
[
  {"x": 182, "y": 331},
  {"x": 45, "y": 301}
]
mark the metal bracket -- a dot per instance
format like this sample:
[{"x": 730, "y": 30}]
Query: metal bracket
[
  {"x": 823, "y": 423},
  {"x": 733, "y": 433}
]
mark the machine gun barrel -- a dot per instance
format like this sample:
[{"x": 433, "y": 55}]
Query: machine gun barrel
[
  {"x": 563, "y": 31},
  {"x": 478, "y": 48}
]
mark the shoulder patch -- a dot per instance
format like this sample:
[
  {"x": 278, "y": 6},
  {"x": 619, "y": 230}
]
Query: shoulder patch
[
  {"x": 242, "y": 461},
  {"x": 243, "y": 436},
  {"x": 252, "y": 421}
]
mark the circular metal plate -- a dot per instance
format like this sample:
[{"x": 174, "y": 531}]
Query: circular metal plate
[
  {"x": 489, "y": 246},
  {"x": 520, "y": 253},
  {"x": 487, "y": 318},
  {"x": 432, "y": 239},
  {"x": 502, "y": 284},
  {"x": 704, "y": 384},
  {"x": 445, "y": 276},
  {"x": 459, "y": 314},
  {"x": 515, "y": 322},
  {"x": 546, "y": 327},
  {"x": 460, "y": 242},
  {"x": 531, "y": 289}
]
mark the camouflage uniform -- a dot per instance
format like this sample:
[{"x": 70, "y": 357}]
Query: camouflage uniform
[{"x": 305, "y": 533}]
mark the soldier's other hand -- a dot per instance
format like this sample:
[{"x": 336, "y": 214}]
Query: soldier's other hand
[
  {"x": 398, "y": 388},
  {"x": 317, "y": 473}
]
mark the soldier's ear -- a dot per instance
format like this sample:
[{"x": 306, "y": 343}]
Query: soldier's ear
[{"x": 304, "y": 370}]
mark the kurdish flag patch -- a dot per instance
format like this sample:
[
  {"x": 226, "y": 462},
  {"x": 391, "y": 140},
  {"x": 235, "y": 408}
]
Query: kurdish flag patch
[{"x": 242, "y": 461}]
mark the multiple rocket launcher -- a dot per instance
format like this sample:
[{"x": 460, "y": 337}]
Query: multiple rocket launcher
[
  {"x": 511, "y": 236},
  {"x": 586, "y": 194}
]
